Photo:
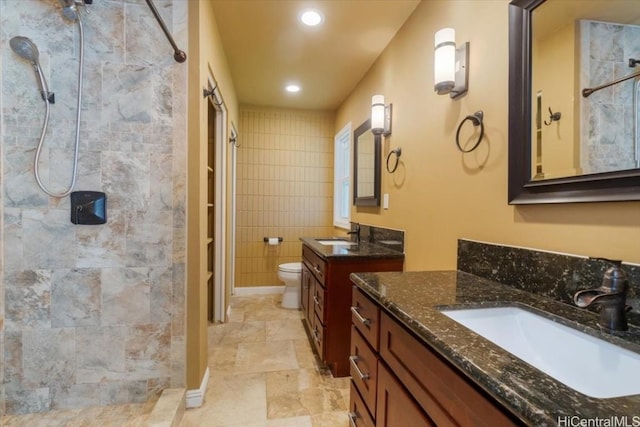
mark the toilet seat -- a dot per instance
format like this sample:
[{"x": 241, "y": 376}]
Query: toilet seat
[{"x": 291, "y": 267}]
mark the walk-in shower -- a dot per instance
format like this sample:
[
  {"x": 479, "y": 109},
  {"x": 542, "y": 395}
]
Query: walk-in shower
[
  {"x": 27, "y": 49},
  {"x": 586, "y": 92}
]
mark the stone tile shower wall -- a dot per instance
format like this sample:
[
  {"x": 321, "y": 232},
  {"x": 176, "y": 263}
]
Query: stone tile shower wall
[
  {"x": 605, "y": 52},
  {"x": 284, "y": 188},
  {"x": 93, "y": 315}
]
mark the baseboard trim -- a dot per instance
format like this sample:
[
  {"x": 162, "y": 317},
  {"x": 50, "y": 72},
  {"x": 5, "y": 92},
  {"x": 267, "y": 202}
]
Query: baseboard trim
[
  {"x": 195, "y": 398},
  {"x": 258, "y": 290}
]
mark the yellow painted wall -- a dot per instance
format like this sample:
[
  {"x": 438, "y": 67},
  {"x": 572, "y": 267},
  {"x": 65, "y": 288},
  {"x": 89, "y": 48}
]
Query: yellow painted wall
[
  {"x": 284, "y": 188},
  {"x": 206, "y": 57},
  {"x": 438, "y": 194},
  {"x": 554, "y": 73}
]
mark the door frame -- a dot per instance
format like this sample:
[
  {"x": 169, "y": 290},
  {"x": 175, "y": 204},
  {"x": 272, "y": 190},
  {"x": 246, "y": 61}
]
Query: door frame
[{"x": 220, "y": 172}]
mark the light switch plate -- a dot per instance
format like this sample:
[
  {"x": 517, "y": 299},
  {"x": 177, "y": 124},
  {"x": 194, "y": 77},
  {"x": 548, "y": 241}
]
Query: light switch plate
[{"x": 385, "y": 201}]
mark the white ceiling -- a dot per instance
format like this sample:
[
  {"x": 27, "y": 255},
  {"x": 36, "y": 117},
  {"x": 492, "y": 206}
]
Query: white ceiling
[
  {"x": 267, "y": 47},
  {"x": 552, "y": 15}
]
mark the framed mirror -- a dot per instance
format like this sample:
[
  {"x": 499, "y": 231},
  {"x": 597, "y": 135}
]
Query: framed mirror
[
  {"x": 573, "y": 156},
  {"x": 366, "y": 166}
]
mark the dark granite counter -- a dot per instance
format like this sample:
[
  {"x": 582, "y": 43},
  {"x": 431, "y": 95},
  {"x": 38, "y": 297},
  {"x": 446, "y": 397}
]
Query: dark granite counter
[
  {"x": 414, "y": 298},
  {"x": 360, "y": 250}
]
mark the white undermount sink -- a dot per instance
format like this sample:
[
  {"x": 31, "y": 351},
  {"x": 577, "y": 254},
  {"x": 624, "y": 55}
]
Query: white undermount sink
[
  {"x": 585, "y": 363},
  {"x": 335, "y": 242}
]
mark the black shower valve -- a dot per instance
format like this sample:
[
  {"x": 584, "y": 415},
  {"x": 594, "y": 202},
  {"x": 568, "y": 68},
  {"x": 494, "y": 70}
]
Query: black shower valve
[{"x": 88, "y": 207}]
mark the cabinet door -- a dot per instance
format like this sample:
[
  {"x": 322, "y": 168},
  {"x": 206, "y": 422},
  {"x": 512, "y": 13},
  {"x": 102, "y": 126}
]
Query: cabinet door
[
  {"x": 396, "y": 408},
  {"x": 441, "y": 391}
]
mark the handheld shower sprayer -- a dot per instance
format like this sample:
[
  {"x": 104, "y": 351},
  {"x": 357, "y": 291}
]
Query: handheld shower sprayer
[{"x": 25, "y": 48}]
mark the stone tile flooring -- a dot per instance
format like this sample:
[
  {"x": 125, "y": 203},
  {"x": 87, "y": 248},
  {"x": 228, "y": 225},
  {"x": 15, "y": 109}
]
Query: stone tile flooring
[{"x": 263, "y": 373}]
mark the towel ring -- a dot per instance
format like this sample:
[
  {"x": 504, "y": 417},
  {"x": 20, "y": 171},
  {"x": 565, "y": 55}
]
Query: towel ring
[
  {"x": 397, "y": 152},
  {"x": 476, "y": 119}
]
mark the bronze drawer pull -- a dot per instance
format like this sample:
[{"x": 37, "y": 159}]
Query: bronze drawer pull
[
  {"x": 317, "y": 270},
  {"x": 316, "y": 300},
  {"x": 354, "y": 363},
  {"x": 363, "y": 320}
]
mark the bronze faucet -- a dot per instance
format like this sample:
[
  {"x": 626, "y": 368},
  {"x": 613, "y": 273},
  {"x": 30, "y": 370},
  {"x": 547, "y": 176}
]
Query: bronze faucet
[
  {"x": 355, "y": 231},
  {"x": 611, "y": 296}
]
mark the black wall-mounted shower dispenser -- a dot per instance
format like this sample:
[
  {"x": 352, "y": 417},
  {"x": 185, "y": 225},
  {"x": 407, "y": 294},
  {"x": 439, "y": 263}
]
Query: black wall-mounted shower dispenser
[{"x": 88, "y": 207}]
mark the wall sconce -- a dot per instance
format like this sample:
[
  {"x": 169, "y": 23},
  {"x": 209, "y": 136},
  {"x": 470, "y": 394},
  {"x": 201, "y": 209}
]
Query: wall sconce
[
  {"x": 451, "y": 71},
  {"x": 380, "y": 116}
]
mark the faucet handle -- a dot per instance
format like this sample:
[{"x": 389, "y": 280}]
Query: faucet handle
[{"x": 615, "y": 278}]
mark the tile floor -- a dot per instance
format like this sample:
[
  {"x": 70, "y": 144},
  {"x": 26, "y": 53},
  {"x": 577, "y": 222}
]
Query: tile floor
[{"x": 263, "y": 373}]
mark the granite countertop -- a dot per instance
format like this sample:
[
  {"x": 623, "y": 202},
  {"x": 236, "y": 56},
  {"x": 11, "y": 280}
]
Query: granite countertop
[
  {"x": 414, "y": 298},
  {"x": 360, "y": 250}
]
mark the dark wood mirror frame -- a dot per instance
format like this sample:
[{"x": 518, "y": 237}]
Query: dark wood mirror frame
[
  {"x": 601, "y": 187},
  {"x": 366, "y": 200}
]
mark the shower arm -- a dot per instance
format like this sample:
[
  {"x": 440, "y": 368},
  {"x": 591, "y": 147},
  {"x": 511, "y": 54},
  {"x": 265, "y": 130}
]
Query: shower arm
[
  {"x": 178, "y": 55},
  {"x": 588, "y": 91}
]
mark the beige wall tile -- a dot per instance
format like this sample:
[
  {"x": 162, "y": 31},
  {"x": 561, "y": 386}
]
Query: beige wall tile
[{"x": 285, "y": 188}]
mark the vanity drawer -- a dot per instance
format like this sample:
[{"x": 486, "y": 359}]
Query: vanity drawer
[
  {"x": 438, "y": 388},
  {"x": 363, "y": 369},
  {"x": 365, "y": 315},
  {"x": 318, "y": 299},
  {"x": 358, "y": 414},
  {"x": 317, "y": 336},
  {"x": 307, "y": 289},
  {"x": 315, "y": 263}
]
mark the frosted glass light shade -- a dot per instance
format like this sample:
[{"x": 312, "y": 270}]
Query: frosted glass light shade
[
  {"x": 377, "y": 114},
  {"x": 445, "y": 61}
]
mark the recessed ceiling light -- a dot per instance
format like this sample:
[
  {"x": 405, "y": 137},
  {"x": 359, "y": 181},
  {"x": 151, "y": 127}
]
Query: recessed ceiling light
[
  {"x": 311, "y": 17},
  {"x": 292, "y": 88}
]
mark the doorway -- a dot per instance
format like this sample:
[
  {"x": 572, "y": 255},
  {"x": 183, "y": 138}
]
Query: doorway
[{"x": 216, "y": 194}]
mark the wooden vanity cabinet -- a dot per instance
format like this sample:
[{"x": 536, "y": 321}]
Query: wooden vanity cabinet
[
  {"x": 414, "y": 385},
  {"x": 326, "y": 302},
  {"x": 395, "y": 406}
]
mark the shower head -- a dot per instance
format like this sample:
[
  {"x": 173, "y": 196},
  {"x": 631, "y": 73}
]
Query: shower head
[
  {"x": 69, "y": 10},
  {"x": 27, "y": 49}
]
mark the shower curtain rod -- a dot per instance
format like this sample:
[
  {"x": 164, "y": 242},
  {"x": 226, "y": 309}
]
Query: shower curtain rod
[
  {"x": 178, "y": 55},
  {"x": 588, "y": 91}
]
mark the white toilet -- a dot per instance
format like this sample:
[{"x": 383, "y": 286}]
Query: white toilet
[{"x": 290, "y": 274}]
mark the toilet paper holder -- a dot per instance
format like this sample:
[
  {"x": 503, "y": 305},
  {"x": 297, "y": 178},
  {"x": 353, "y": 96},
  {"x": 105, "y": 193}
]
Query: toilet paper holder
[{"x": 266, "y": 239}]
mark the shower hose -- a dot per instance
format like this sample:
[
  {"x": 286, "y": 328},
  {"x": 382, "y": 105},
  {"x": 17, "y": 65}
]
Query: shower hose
[{"x": 46, "y": 124}]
